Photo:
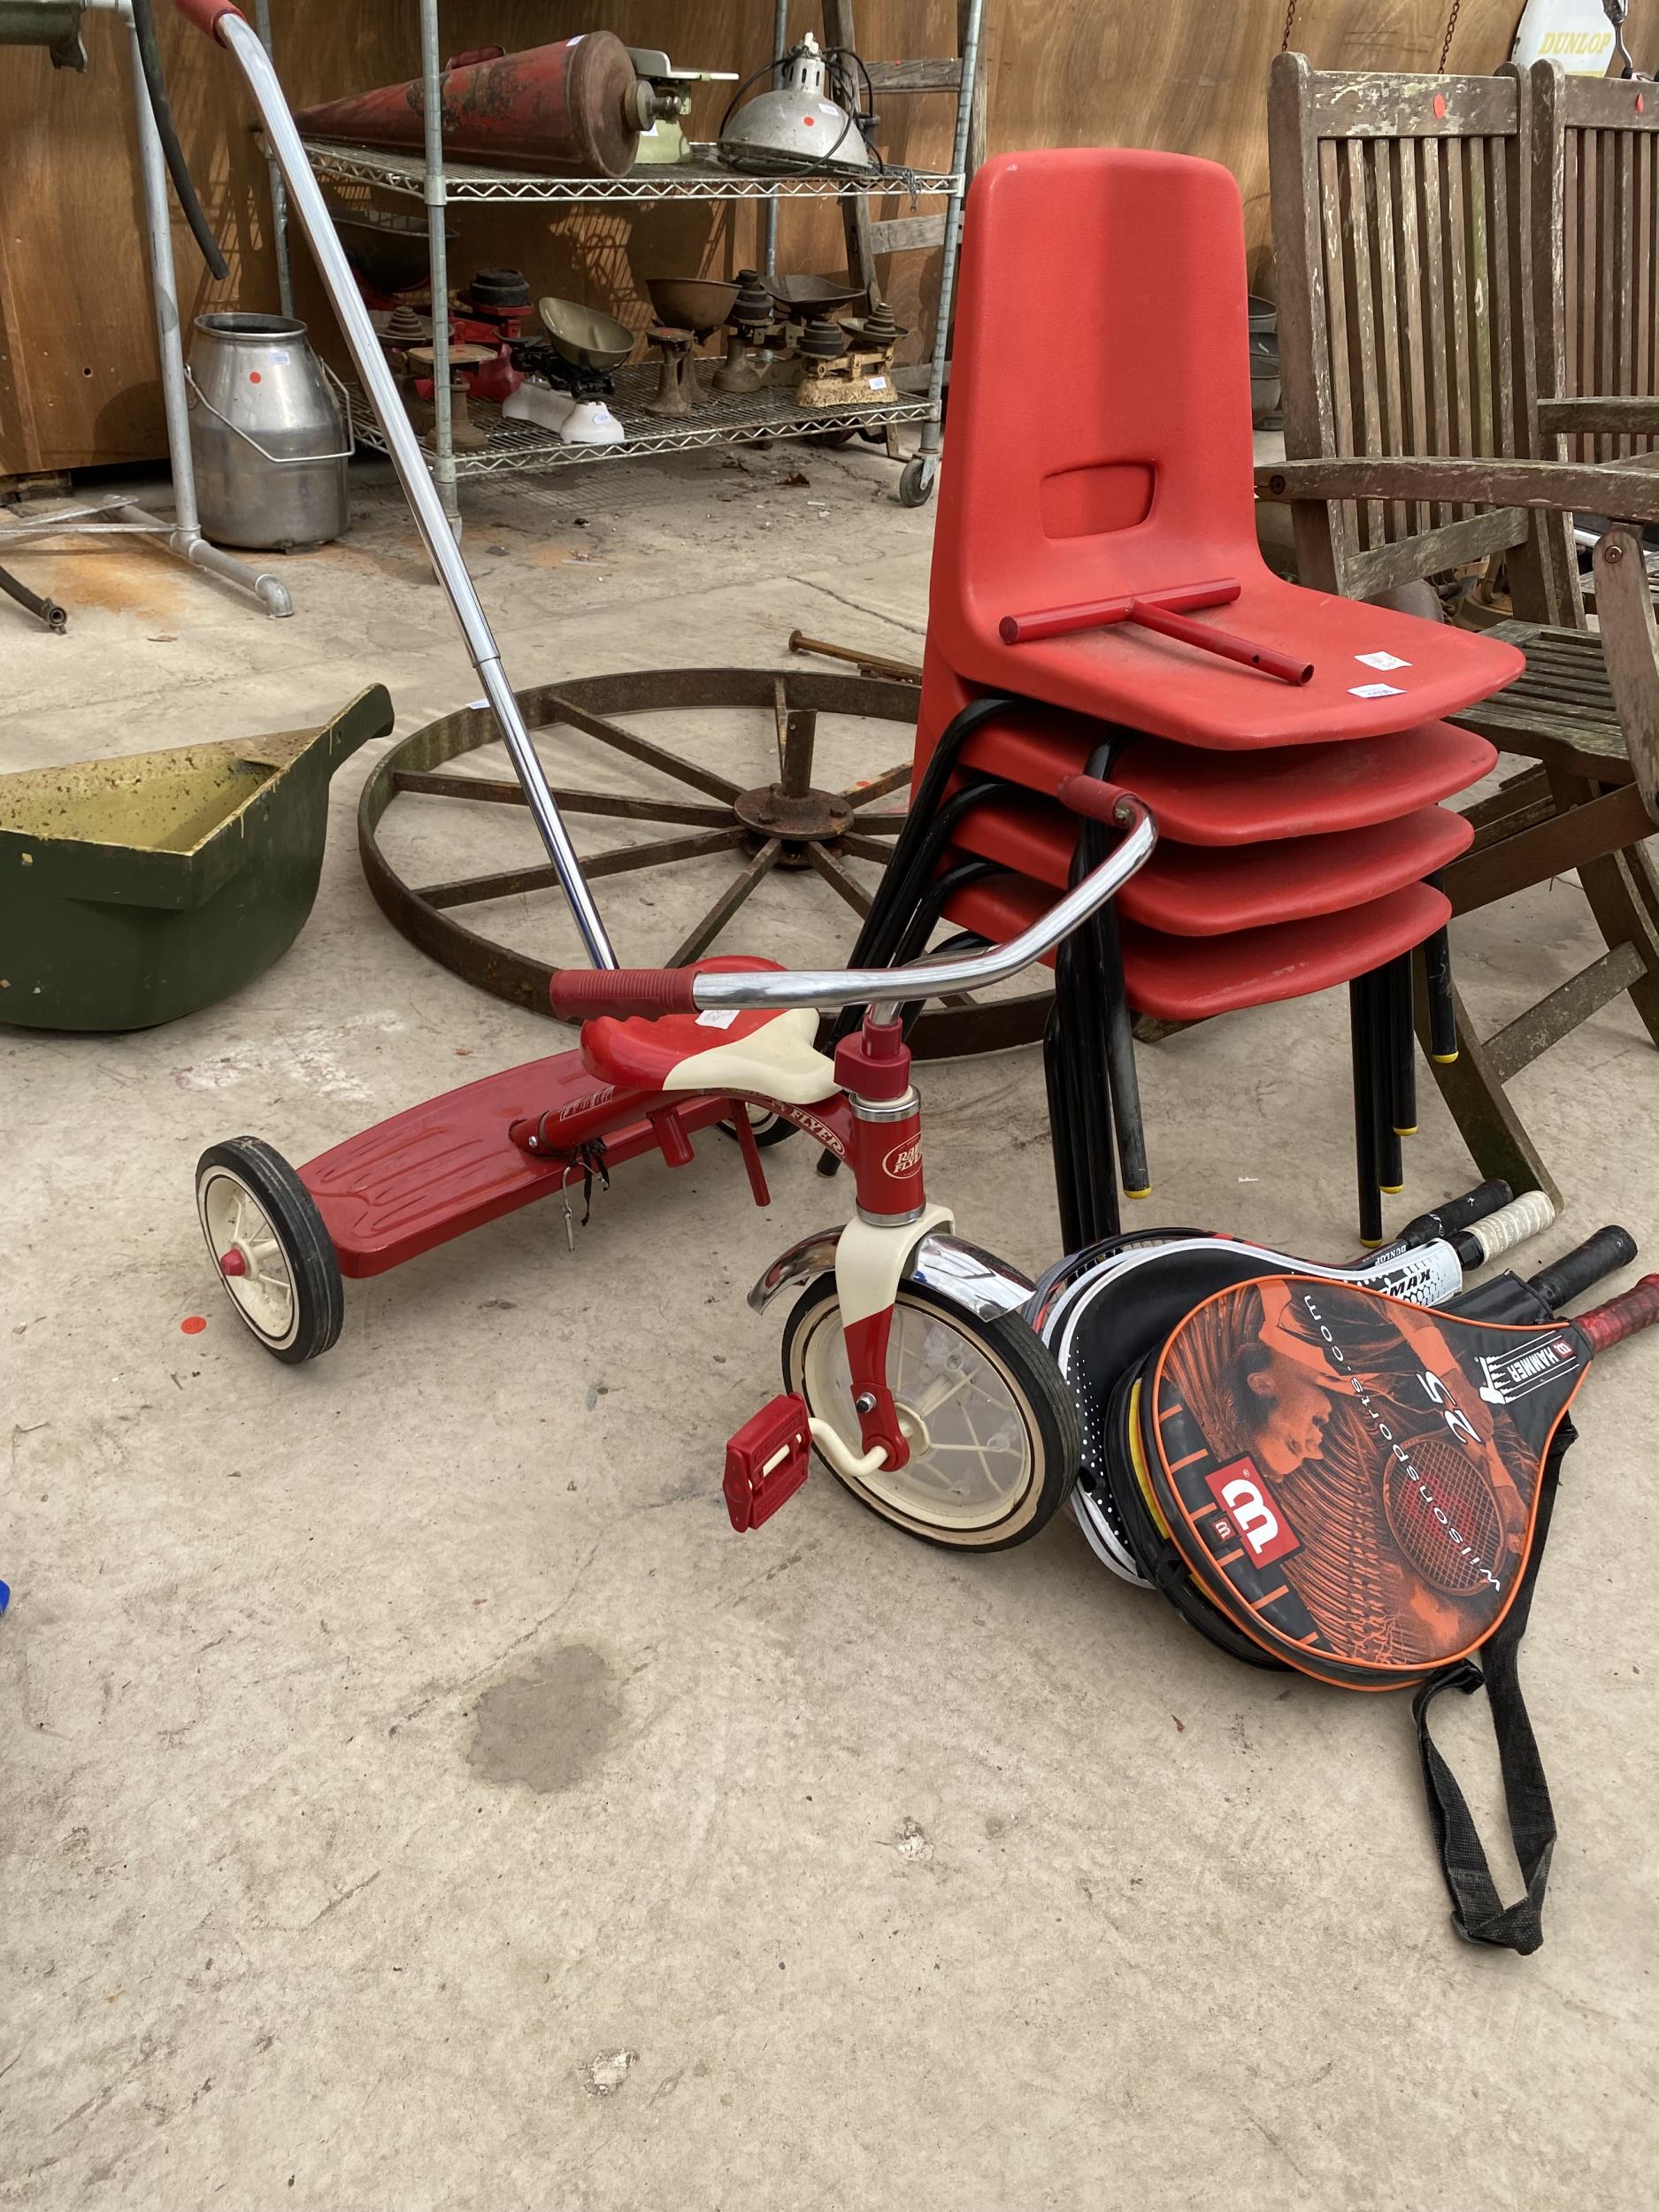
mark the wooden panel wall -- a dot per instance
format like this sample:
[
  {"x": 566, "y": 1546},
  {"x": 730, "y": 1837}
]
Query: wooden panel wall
[{"x": 77, "y": 349}]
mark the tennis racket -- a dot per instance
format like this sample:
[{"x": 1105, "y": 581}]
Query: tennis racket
[
  {"x": 1108, "y": 1317},
  {"x": 1354, "y": 1481}
]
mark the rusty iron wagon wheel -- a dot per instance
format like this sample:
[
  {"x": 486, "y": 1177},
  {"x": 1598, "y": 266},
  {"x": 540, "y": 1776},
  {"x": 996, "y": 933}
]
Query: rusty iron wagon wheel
[{"x": 784, "y": 825}]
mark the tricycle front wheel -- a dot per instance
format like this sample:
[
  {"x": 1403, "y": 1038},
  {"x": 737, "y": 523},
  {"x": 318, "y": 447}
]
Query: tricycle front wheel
[
  {"x": 271, "y": 1249},
  {"x": 991, "y": 1426}
]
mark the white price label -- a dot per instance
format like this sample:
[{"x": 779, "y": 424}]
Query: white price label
[
  {"x": 717, "y": 1017},
  {"x": 1381, "y": 660},
  {"x": 1374, "y": 691}
]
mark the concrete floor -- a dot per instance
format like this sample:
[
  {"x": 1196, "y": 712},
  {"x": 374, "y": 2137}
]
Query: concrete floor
[{"x": 415, "y": 1796}]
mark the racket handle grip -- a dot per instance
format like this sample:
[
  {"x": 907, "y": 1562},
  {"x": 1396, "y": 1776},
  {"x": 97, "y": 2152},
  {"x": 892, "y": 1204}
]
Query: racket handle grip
[
  {"x": 1527, "y": 1216},
  {"x": 1576, "y": 1271},
  {"x": 1474, "y": 1205},
  {"x": 1633, "y": 1309}
]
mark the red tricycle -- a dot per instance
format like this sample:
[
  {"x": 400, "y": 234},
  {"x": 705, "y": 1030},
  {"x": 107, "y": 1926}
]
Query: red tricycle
[{"x": 908, "y": 1361}]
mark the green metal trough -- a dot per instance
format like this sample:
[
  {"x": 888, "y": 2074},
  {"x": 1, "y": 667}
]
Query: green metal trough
[{"x": 135, "y": 891}]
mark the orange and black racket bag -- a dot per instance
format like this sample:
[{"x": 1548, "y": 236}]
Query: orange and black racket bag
[{"x": 1361, "y": 1489}]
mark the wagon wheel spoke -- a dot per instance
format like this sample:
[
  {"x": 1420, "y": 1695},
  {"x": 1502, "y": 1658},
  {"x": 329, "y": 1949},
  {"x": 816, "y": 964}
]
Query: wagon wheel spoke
[
  {"x": 639, "y": 748},
  {"x": 474, "y": 890},
  {"x": 627, "y": 806},
  {"x": 849, "y": 887},
  {"x": 881, "y": 825},
  {"x": 865, "y": 848},
  {"x": 663, "y": 851},
  {"x": 874, "y": 787},
  {"x": 721, "y": 912}
]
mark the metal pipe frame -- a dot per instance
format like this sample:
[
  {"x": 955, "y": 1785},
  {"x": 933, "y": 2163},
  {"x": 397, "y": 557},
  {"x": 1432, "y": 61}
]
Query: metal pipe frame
[
  {"x": 182, "y": 536},
  {"x": 279, "y": 190},
  {"x": 779, "y": 47},
  {"x": 933, "y": 429},
  {"x": 931, "y": 978},
  {"x": 437, "y": 195},
  {"x": 430, "y": 518}
]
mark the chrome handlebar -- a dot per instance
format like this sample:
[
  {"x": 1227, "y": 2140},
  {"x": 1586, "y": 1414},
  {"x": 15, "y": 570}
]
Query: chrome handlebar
[{"x": 656, "y": 991}]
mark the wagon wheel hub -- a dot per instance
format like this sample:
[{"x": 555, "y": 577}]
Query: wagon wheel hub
[{"x": 811, "y": 817}]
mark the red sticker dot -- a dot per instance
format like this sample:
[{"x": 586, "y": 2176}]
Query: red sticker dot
[
  {"x": 192, "y": 1324},
  {"x": 1439, "y": 107},
  {"x": 1640, "y": 103},
  {"x": 253, "y": 376}
]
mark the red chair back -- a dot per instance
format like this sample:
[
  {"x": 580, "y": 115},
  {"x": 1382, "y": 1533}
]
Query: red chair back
[{"x": 1099, "y": 398}]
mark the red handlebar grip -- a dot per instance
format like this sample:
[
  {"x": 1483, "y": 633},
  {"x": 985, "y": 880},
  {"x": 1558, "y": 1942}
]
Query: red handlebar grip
[
  {"x": 575, "y": 993},
  {"x": 205, "y": 14},
  {"x": 1090, "y": 795}
]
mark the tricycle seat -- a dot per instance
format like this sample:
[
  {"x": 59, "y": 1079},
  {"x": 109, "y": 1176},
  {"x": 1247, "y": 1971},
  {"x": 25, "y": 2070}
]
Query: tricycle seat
[{"x": 762, "y": 1053}]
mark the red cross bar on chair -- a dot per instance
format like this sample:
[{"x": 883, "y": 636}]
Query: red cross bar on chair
[{"x": 1164, "y": 611}]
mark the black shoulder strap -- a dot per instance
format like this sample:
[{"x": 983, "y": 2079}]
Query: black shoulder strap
[{"x": 1478, "y": 1914}]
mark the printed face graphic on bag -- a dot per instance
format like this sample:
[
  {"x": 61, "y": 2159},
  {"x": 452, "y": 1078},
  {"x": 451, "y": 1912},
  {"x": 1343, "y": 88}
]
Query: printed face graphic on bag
[{"x": 1286, "y": 1397}]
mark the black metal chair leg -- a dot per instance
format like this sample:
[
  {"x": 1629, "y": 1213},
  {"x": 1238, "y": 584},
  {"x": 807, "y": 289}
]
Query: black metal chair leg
[
  {"x": 1061, "y": 1137},
  {"x": 1080, "y": 1033},
  {"x": 1123, "y": 1082},
  {"x": 1402, "y": 1048},
  {"x": 1442, "y": 1008},
  {"x": 1371, "y": 1216},
  {"x": 880, "y": 924},
  {"x": 1120, "y": 1061},
  {"x": 1390, "y": 1164}
]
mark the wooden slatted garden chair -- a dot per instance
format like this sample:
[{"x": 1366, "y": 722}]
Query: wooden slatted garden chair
[{"x": 1421, "y": 231}]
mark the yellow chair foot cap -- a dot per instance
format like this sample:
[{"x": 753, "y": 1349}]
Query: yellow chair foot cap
[
  {"x": 1410, "y": 1130},
  {"x": 1145, "y": 1191},
  {"x": 1391, "y": 1190},
  {"x": 1444, "y": 1059}
]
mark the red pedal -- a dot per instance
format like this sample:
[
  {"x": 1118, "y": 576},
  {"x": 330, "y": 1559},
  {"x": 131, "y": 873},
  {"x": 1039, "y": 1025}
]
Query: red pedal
[{"x": 766, "y": 1462}]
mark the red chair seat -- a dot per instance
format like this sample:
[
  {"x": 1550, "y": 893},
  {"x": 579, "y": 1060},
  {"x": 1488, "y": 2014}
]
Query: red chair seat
[
  {"x": 1189, "y": 978},
  {"x": 1173, "y": 690},
  {"x": 1124, "y": 465},
  {"x": 1209, "y": 799},
  {"x": 1191, "y": 891}
]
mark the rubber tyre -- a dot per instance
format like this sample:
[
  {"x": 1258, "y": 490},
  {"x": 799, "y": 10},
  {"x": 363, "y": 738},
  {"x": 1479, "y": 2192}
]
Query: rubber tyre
[
  {"x": 833, "y": 441},
  {"x": 308, "y": 1252},
  {"x": 1036, "y": 1387},
  {"x": 916, "y": 483}
]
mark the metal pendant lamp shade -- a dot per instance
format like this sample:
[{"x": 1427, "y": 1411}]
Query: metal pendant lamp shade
[{"x": 797, "y": 127}]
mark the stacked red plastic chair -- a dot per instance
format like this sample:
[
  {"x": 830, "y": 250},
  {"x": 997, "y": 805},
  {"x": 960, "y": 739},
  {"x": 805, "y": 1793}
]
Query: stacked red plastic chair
[{"x": 1099, "y": 599}]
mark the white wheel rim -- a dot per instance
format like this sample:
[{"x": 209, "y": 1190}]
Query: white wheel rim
[
  {"x": 971, "y": 1463},
  {"x": 265, "y": 1293}
]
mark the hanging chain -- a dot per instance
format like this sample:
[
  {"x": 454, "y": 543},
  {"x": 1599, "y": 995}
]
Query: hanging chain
[
  {"x": 1290, "y": 25},
  {"x": 1451, "y": 26}
]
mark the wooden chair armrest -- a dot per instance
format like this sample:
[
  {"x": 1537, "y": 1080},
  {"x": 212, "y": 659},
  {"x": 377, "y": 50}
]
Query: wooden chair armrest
[
  {"x": 1636, "y": 416},
  {"x": 1630, "y": 641},
  {"x": 1621, "y": 490}
]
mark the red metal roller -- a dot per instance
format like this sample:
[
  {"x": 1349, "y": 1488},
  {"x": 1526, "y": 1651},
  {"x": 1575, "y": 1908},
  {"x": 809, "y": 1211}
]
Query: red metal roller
[{"x": 570, "y": 108}]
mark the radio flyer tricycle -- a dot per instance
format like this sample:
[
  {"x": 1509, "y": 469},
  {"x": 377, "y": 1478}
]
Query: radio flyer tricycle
[{"x": 908, "y": 1362}]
